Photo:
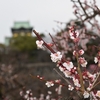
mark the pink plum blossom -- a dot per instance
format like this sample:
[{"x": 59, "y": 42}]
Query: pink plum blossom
[{"x": 80, "y": 52}]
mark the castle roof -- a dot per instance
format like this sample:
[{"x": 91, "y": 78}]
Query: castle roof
[{"x": 18, "y": 25}]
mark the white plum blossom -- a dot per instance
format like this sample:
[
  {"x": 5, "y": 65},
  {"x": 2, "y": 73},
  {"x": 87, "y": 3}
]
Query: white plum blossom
[
  {"x": 83, "y": 62},
  {"x": 74, "y": 52},
  {"x": 98, "y": 93},
  {"x": 78, "y": 76},
  {"x": 61, "y": 68},
  {"x": 95, "y": 59},
  {"x": 59, "y": 89},
  {"x": 88, "y": 88},
  {"x": 86, "y": 94},
  {"x": 67, "y": 74},
  {"x": 56, "y": 56},
  {"x": 21, "y": 93},
  {"x": 39, "y": 44},
  {"x": 49, "y": 83},
  {"x": 74, "y": 35},
  {"x": 70, "y": 87},
  {"x": 31, "y": 98},
  {"x": 28, "y": 91},
  {"x": 68, "y": 65},
  {"x": 48, "y": 97},
  {"x": 49, "y": 92},
  {"x": 76, "y": 82},
  {"x": 57, "y": 81},
  {"x": 26, "y": 96}
]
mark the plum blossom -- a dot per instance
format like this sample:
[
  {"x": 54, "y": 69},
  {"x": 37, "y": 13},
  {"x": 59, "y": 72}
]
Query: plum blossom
[
  {"x": 74, "y": 35},
  {"x": 39, "y": 44},
  {"x": 93, "y": 95},
  {"x": 98, "y": 93},
  {"x": 48, "y": 97},
  {"x": 91, "y": 76},
  {"x": 86, "y": 94},
  {"x": 70, "y": 87},
  {"x": 74, "y": 70},
  {"x": 83, "y": 62},
  {"x": 80, "y": 52},
  {"x": 28, "y": 95},
  {"x": 79, "y": 76},
  {"x": 28, "y": 91},
  {"x": 61, "y": 68},
  {"x": 56, "y": 56},
  {"x": 68, "y": 65},
  {"x": 21, "y": 93},
  {"x": 67, "y": 74},
  {"x": 49, "y": 84},
  {"x": 59, "y": 89},
  {"x": 57, "y": 81},
  {"x": 76, "y": 82},
  {"x": 88, "y": 88},
  {"x": 95, "y": 59},
  {"x": 74, "y": 53},
  {"x": 87, "y": 75}
]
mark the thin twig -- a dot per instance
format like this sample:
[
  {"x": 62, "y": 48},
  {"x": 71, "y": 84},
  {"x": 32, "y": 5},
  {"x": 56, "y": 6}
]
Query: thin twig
[
  {"x": 93, "y": 85},
  {"x": 53, "y": 41},
  {"x": 39, "y": 37},
  {"x": 63, "y": 77}
]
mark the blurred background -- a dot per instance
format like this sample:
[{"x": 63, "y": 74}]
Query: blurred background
[{"x": 19, "y": 56}]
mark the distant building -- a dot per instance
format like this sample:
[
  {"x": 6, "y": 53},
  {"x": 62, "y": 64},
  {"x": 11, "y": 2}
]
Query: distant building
[
  {"x": 19, "y": 29},
  {"x": 7, "y": 41}
]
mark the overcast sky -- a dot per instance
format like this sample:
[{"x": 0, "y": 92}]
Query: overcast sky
[{"x": 40, "y": 13}]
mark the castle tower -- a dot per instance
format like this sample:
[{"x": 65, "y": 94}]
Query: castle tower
[{"x": 21, "y": 29}]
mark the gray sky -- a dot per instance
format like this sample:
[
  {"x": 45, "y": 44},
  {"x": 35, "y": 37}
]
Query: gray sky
[{"x": 40, "y": 13}]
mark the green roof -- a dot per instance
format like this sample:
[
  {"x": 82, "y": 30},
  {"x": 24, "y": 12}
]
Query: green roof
[{"x": 21, "y": 24}]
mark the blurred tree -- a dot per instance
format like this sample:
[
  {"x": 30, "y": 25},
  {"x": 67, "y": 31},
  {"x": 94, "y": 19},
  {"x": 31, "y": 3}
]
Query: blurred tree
[
  {"x": 87, "y": 24},
  {"x": 23, "y": 43},
  {"x": 88, "y": 38},
  {"x": 2, "y": 47}
]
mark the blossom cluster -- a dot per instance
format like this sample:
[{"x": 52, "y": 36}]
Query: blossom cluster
[
  {"x": 78, "y": 73},
  {"x": 27, "y": 95}
]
